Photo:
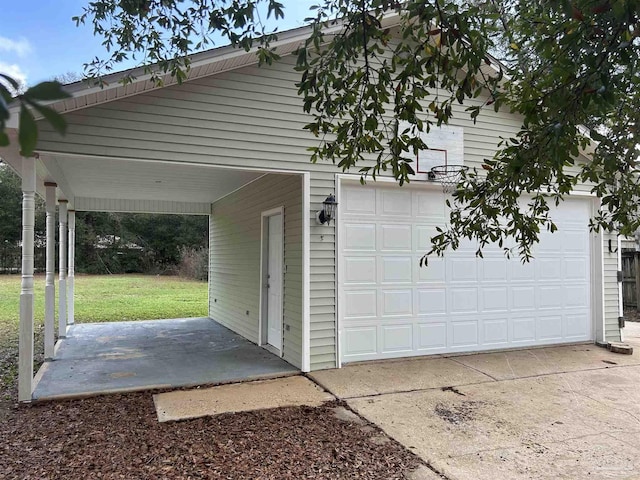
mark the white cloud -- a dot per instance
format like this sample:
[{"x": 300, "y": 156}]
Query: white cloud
[
  {"x": 20, "y": 47},
  {"x": 14, "y": 71}
]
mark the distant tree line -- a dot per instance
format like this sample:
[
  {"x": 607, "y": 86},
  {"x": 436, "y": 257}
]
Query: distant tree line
[{"x": 108, "y": 242}]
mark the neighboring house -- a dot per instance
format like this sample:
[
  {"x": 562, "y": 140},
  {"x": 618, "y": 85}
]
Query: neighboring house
[{"x": 229, "y": 143}]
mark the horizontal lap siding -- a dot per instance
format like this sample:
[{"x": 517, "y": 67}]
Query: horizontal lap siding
[
  {"x": 234, "y": 246},
  {"x": 610, "y": 272},
  {"x": 251, "y": 117}
]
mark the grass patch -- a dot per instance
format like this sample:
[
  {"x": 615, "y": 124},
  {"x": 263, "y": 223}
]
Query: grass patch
[
  {"x": 98, "y": 298},
  {"x": 113, "y": 298}
]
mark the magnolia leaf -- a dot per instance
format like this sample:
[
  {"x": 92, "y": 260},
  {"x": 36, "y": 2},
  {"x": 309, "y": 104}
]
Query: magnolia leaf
[
  {"x": 27, "y": 132},
  {"x": 46, "y": 91}
]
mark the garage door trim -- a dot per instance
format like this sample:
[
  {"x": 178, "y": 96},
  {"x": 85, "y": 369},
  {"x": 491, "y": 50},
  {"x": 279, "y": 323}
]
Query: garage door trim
[{"x": 595, "y": 269}]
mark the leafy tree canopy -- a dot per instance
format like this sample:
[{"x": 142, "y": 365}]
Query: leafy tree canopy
[{"x": 569, "y": 69}]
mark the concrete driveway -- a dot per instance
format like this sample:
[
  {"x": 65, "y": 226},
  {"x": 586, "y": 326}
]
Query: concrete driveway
[{"x": 563, "y": 412}]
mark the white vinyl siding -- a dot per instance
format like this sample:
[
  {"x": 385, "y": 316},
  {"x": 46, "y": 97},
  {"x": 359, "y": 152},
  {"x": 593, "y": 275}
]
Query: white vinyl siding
[
  {"x": 252, "y": 117},
  {"x": 234, "y": 268},
  {"x": 611, "y": 312}
]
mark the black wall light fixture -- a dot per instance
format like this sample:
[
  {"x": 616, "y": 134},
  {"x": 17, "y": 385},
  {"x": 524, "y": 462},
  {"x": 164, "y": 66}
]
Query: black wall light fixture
[{"x": 328, "y": 211}]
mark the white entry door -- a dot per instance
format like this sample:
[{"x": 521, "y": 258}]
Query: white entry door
[
  {"x": 274, "y": 281},
  {"x": 390, "y": 307}
]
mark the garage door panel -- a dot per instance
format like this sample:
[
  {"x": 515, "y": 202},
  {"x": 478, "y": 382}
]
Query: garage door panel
[
  {"x": 550, "y": 243},
  {"x": 495, "y": 331},
  {"x": 431, "y": 206},
  {"x": 394, "y": 203},
  {"x": 576, "y": 325},
  {"x": 463, "y": 333},
  {"x": 395, "y": 269},
  {"x": 463, "y": 300},
  {"x": 575, "y": 268},
  {"x": 395, "y": 302},
  {"x": 423, "y": 235},
  {"x": 523, "y": 298},
  {"x": 576, "y": 242},
  {"x": 576, "y": 296},
  {"x": 431, "y": 336},
  {"x": 391, "y": 307},
  {"x": 493, "y": 269},
  {"x": 550, "y": 296},
  {"x": 549, "y": 268},
  {"x": 468, "y": 248},
  {"x": 360, "y": 237},
  {"x": 432, "y": 301},
  {"x": 359, "y": 341},
  {"x": 360, "y": 270},
  {"x": 360, "y": 303},
  {"x": 359, "y": 201},
  {"x": 521, "y": 272},
  {"x": 494, "y": 299},
  {"x": 396, "y": 338},
  {"x": 549, "y": 327},
  {"x": 524, "y": 329},
  {"x": 462, "y": 269},
  {"x": 434, "y": 272},
  {"x": 395, "y": 237}
]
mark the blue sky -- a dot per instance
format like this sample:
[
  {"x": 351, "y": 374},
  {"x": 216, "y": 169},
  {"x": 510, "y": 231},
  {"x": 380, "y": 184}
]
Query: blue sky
[{"x": 38, "y": 40}]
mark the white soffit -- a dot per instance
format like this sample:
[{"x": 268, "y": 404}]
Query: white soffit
[{"x": 137, "y": 180}]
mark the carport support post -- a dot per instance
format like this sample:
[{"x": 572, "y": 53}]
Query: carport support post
[
  {"x": 72, "y": 265},
  {"x": 62, "y": 252},
  {"x": 25, "y": 343},
  {"x": 50, "y": 278}
]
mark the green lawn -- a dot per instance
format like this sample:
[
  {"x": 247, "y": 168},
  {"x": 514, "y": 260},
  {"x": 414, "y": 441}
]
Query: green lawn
[
  {"x": 99, "y": 298},
  {"x": 112, "y": 298}
]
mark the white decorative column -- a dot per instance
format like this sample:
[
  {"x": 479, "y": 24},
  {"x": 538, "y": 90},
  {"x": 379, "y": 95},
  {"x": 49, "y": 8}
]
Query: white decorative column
[
  {"x": 50, "y": 285},
  {"x": 62, "y": 266},
  {"x": 72, "y": 265},
  {"x": 25, "y": 344}
]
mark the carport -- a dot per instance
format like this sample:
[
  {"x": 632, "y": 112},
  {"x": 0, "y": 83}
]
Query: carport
[
  {"x": 84, "y": 359},
  {"x": 113, "y": 357}
]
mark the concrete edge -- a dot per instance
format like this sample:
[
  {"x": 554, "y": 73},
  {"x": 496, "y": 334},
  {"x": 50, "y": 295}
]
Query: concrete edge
[{"x": 142, "y": 388}]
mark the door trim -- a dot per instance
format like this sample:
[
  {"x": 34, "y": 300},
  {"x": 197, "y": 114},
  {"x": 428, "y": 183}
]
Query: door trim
[{"x": 264, "y": 258}]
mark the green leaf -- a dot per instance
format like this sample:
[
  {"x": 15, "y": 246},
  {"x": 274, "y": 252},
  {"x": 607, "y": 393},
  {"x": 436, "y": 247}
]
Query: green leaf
[
  {"x": 27, "y": 132},
  {"x": 46, "y": 91},
  {"x": 55, "y": 119}
]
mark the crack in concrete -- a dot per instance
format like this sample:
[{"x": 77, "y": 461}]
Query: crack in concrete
[
  {"x": 474, "y": 369},
  {"x": 613, "y": 407},
  {"x": 426, "y": 389},
  {"x": 518, "y": 445},
  {"x": 415, "y": 390},
  {"x": 621, "y": 440}
]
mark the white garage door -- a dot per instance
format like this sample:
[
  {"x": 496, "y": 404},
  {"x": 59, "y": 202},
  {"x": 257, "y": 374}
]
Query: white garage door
[{"x": 391, "y": 307}]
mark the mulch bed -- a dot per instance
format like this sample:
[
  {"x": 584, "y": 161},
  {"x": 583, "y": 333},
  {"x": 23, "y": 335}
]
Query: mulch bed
[{"x": 119, "y": 437}]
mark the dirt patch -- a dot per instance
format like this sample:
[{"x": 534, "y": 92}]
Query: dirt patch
[
  {"x": 631, "y": 315},
  {"x": 118, "y": 436},
  {"x": 457, "y": 413}
]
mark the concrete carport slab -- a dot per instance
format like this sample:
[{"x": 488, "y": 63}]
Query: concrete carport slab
[{"x": 127, "y": 356}]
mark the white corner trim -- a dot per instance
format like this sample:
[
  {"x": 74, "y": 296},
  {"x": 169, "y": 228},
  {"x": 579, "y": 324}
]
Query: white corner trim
[
  {"x": 338, "y": 267},
  {"x": 306, "y": 272},
  {"x": 620, "y": 297}
]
